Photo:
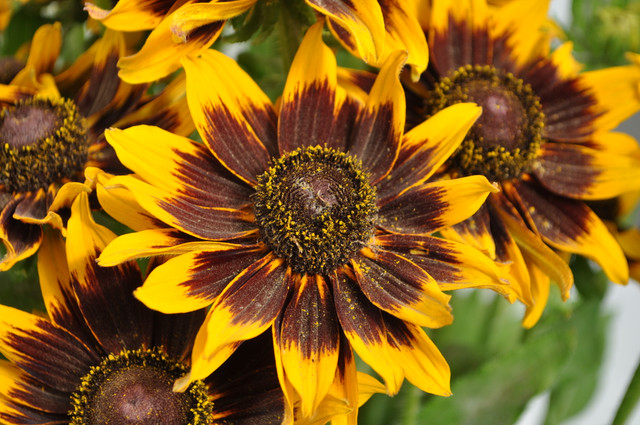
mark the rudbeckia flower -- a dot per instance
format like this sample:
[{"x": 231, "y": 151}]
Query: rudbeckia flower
[
  {"x": 313, "y": 221},
  {"x": 51, "y": 128},
  {"x": 102, "y": 357},
  {"x": 369, "y": 28},
  {"x": 544, "y": 136}
]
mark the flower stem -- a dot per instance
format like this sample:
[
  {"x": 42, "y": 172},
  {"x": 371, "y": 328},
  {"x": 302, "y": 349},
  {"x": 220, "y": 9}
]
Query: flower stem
[
  {"x": 412, "y": 406},
  {"x": 630, "y": 399}
]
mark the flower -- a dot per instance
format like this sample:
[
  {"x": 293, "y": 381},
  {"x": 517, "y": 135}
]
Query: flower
[
  {"x": 368, "y": 28},
  {"x": 51, "y": 128},
  {"x": 545, "y": 136},
  {"x": 103, "y": 357},
  {"x": 314, "y": 222}
]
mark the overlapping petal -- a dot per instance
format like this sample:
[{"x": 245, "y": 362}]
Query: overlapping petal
[{"x": 227, "y": 106}]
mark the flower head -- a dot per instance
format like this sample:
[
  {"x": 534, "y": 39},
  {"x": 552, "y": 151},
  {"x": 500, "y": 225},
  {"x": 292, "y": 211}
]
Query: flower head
[
  {"x": 314, "y": 221},
  {"x": 103, "y": 357},
  {"x": 51, "y": 129},
  {"x": 544, "y": 135}
]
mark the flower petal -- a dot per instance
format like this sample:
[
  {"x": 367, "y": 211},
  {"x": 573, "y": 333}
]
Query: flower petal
[
  {"x": 232, "y": 114},
  {"x": 380, "y": 126},
  {"x": 539, "y": 294},
  {"x": 308, "y": 111},
  {"x": 431, "y": 206},
  {"x": 401, "y": 288},
  {"x": 104, "y": 294},
  {"x": 246, "y": 308},
  {"x": 310, "y": 342},
  {"x": 580, "y": 172},
  {"x": 44, "y": 350},
  {"x": 245, "y": 389},
  {"x": 161, "y": 53},
  {"x": 453, "y": 265},
  {"x": 131, "y": 15},
  {"x": 571, "y": 226},
  {"x": 20, "y": 239},
  {"x": 17, "y": 388},
  {"x": 195, "y": 280},
  {"x": 426, "y": 147},
  {"x": 190, "y": 18},
  {"x": 179, "y": 165},
  {"x": 204, "y": 222}
]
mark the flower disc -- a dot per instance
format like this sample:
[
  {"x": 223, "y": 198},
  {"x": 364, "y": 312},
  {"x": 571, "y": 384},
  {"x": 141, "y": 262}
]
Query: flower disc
[
  {"x": 41, "y": 141},
  {"x": 506, "y": 138},
  {"x": 136, "y": 387},
  {"x": 315, "y": 207}
]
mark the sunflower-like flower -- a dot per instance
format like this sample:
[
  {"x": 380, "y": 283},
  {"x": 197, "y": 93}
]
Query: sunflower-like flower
[
  {"x": 51, "y": 128},
  {"x": 102, "y": 357},
  {"x": 371, "y": 29},
  {"x": 314, "y": 222},
  {"x": 544, "y": 135}
]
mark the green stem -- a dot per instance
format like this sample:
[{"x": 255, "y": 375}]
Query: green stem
[
  {"x": 412, "y": 405},
  {"x": 630, "y": 399}
]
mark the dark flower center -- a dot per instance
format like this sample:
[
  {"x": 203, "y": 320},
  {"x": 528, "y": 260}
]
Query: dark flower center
[
  {"x": 42, "y": 141},
  {"x": 315, "y": 208},
  {"x": 135, "y": 388},
  {"x": 504, "y": 141}
]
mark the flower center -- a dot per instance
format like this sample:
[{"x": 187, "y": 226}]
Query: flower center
[
  {"x": 41, "y": 141},
  {"x": 315, "y": 208},
  {"x": 505, "y": 139},
  {"x": 135, "y": 387}
]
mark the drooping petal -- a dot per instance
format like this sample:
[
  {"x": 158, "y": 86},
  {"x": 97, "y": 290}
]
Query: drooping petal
[
  {"x": 44, "y": 51},
  {"x": 533, "y": 247},
  {"x": 20, "y": 239},
  {"x": 571, "y": 226},
  {"x": 194, "y": 280},
  {"x": 246, "y": 308},
  {"x": 205, "y": 222},
  {"x": 308, "y": 110},
  {"x": 475, "y": 231},
  {"x": 309, "y": 343},
  {"x": 380, "y": 126},
  {"x": 161, "y": 53},
  {"x": 401, "y": 288},
  {"x": 45, "y": 351},
  {"x": 32, "y": 208},
  {"x": 580, "y": 172},
  {"x": 104, "y": 294},
  {"x": 540, "y": 286},
  {"x": 426, "y": 147},
  {"x": 228, "y": 106},
  {"x": 359, "y": 25},
  {"x": 431, "y": 206}
]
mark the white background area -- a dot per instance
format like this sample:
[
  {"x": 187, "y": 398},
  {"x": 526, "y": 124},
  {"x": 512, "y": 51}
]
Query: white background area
[{"x": 622, "y": 352}]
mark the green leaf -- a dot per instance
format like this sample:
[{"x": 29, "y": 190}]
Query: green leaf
[
  {"x": 577, "y": 381},
  {"x": 497, "y": 391}
]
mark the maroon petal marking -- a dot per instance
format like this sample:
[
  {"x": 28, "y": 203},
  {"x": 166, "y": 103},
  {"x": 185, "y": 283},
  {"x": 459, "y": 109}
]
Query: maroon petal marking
[
  {"x": 48, "y": 401},
  {"x": 565, "y": 169},
  {"x": 416, "y": 211},
  {"x": 18, "y": 235},
  {"x": 308, "y": 119},
  {"x": 32, "y": 205}
]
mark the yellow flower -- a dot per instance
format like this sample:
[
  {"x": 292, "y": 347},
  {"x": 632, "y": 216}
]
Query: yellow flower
[
  {"x": 313, "y": 221},
  {"x": 544, "y": 135}
]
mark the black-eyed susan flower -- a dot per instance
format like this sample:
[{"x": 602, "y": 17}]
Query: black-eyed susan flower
[
  {"x": 313, "y": 220},
  {"x": 371, "y": 29},
  {"x": 544, "y": 135},
  {"x": 51, "y": 128},
  {"x": 102, "y": 357}
]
